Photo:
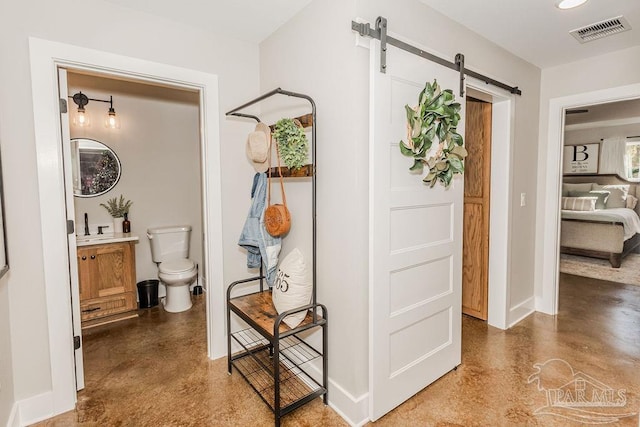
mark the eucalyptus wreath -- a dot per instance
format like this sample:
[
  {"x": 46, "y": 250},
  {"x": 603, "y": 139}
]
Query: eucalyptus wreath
[
  {"x": 436, "y": 116},
  {"x": 292, "y": 143}
]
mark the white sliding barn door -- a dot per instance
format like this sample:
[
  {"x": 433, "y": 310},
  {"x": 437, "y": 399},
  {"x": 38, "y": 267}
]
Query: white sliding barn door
[{"x": 415, "y": 249}]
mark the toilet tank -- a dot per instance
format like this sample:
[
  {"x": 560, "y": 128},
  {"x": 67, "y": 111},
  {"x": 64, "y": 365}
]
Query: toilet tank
[{"x": 169, "y": 243}]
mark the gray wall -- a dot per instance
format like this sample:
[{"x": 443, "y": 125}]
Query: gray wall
[{"x": 123, "y": 31}]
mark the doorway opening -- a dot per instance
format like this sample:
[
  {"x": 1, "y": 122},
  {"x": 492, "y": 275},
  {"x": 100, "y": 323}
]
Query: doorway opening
[
  {"x": 46, "y": 57},
  {"x": 156, "y": 152},
  {"x": 497, "y": 201},
  {"x": 602, "y": 160},
  {"x": 551, "y": 177},
  {"x": 477, "y": 191}
]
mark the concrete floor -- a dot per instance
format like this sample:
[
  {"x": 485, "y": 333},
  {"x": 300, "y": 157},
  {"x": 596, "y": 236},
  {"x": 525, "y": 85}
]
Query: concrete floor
[{"x": 152, "y": 371}]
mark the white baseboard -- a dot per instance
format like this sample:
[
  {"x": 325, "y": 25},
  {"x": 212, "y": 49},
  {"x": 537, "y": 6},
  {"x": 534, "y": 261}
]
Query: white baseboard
[
  {"x": 351, "y": 409},
  {"x": 14, "y": 416},
  {"x": 35, "y": 408},
  {"x": 543, "y": 306},
  {"x": 520, "y": 311},
  {"x": 354, "y": 410}
]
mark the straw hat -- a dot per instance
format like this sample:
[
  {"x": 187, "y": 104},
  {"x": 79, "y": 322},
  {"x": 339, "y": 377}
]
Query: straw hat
[{"x": 259, "y": 147}]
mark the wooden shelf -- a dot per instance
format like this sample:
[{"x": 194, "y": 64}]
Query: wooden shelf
[
  {"x": 258, "y": 309},
  {"x": 306, "y": 121},
  {"x": 295, "y": 384},
  {"x": 306, "y": 170},
  {"x": 88, "y": 324}
]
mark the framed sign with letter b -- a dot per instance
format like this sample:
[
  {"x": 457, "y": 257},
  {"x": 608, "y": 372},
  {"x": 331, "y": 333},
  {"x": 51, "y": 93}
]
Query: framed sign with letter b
[{"x": 581, "y": 159}]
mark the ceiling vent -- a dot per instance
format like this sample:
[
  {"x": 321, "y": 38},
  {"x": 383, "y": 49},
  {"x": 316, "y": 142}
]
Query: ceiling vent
[{"x": 601, "y": 29}]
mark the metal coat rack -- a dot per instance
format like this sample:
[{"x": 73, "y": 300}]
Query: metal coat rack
[
  {"x": 310, "y": 168},
  {"x": 274, "y": 358}
]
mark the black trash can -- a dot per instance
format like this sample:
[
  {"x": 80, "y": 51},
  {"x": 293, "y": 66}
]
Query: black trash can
[{"x": 148, "y": 293}]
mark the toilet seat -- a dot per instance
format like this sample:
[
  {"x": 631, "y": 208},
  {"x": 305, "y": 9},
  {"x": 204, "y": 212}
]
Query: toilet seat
[{"x": 177, "y": 266}]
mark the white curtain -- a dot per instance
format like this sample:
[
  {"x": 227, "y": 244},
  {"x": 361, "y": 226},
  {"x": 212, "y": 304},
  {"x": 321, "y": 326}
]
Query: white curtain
[{"x": 613, "y": 157}]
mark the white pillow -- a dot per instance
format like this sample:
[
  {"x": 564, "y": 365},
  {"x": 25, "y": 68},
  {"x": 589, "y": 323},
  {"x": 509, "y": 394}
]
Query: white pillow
[
  {"x": 579, "y": 203},
  {"x": 631, "y": 201},
  {"x": 292, "y": 287},
  {"x": 566, "y": 187},
  {"x": 618, "y": 196}
]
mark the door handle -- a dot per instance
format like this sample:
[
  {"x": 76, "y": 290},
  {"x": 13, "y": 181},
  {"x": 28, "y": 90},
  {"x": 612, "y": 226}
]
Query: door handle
[
  {"x": 93, "y": 257},
  {"x": 84, "y": 257},
  {"x": 89, "y": 310}
]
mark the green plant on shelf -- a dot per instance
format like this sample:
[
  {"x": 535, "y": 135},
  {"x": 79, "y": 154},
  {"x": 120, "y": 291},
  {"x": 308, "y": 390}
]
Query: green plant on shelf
[{"x": 292, "y": 143}]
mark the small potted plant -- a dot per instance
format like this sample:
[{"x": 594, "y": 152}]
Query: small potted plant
[
  {"x": 117, "y": 208},
  {"x": 293, "y": 146}
]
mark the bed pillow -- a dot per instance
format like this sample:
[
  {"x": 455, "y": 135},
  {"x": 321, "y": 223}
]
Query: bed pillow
[
  {"x": 587, "y": 186},
  {"x": 292, "y": 287},
  {"x": 600, "y": 194},
  {"x": 618, "y": 196},
  {"x": 579, "y": 203},
  {"x": 632, "y": 201}
]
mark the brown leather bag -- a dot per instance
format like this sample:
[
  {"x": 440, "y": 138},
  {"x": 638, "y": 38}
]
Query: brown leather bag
[{"x": 277, "y": 219}]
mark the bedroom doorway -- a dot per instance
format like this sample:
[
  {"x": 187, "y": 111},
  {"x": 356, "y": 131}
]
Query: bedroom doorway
[
  {"x": 549, "y": 192},
  {"x": 477, "y": 186},
  {"x": 603, "y": 138}
]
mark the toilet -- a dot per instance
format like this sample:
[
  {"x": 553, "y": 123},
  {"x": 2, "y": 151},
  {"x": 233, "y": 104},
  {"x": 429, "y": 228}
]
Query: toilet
[{"x": 170, "y": 251}]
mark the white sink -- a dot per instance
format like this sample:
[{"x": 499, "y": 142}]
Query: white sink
[
  {"x": 94, "y": 237},
  {"x": 98, "y": 239}
]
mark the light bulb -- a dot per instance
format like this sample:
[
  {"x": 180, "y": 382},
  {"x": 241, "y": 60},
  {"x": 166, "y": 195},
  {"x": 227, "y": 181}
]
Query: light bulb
[
  {"x": 112, "y": 121},
  {"x": 82, "y": 118}
]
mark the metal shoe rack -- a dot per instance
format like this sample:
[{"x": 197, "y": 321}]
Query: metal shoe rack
[{"x": 274, "y": 359}]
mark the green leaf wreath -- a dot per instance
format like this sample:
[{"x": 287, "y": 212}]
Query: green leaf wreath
[{"x": 436, "y": 116}]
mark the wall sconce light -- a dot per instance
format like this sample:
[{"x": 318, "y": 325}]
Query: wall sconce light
[{"x": 82, "y": 118}]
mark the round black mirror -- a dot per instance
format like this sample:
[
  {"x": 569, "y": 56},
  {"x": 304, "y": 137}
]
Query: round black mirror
[{"x": 96, "y": 168}]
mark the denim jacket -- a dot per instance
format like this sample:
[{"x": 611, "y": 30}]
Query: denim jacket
[{"x": 261, "y": 246}]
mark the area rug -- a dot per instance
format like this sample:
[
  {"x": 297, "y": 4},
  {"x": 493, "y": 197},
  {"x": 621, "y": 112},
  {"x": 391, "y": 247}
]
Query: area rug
[{"x": 628, "y": 273}]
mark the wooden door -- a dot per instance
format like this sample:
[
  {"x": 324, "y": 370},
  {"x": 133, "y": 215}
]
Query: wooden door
[
  {"x": 475, "y": 248},
  {"x": 107, "y": 279},
  {"x": 415, "y": 245}
]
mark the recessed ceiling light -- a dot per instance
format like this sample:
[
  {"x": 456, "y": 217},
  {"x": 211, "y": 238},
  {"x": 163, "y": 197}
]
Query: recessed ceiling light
[{"x": 570, "y": 4}]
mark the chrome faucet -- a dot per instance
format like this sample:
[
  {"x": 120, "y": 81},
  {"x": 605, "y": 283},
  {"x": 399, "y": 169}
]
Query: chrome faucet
[{"x": 86, "y": 224}]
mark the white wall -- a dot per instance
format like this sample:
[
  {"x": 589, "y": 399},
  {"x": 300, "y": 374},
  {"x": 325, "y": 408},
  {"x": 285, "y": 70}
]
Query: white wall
[
  {"x": 123, "y": 31},
  {"x": 158, "y": 145},
  {"x": 590, "y": 75},
  {"x": 315, "y": 53},
  {"x": 586, "y": 136},
  {"x": 6, "y": 363}
]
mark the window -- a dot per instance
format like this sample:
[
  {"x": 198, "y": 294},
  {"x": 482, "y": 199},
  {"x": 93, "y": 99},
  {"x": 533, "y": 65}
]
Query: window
[{"x": 632, "y": 160}]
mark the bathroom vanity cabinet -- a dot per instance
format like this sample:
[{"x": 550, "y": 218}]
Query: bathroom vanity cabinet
[{"x": 107, "y": 275}]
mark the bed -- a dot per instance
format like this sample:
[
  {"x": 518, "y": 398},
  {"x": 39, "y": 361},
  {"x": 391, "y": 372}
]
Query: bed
[{"x": 611, "y": 231}]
